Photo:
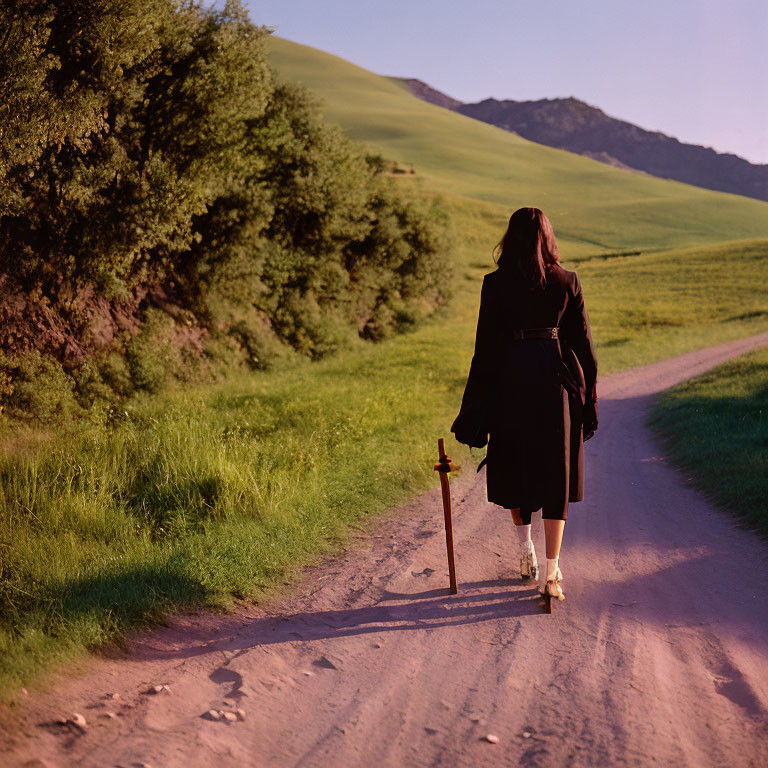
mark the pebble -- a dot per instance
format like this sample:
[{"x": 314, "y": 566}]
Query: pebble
[
  {"x": 325, "y": 663},
  {"x": 158, "y": 688},
  {"x": 231, "y": 716},
  {"x": 110, "y": 715},
  {"x": 240, "y": 714},
  {"x": 526, "y": 734},
  {"x": 78, "y": 719},
  {"x": 493, "y": 739},
  {"x": 213, "y": 714}
]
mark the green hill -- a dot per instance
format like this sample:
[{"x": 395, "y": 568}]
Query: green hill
[{"x": 594, "y": 208}]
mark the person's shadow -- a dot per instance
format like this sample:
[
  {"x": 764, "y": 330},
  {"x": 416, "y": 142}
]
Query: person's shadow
[{"x": 394, "y": 612}]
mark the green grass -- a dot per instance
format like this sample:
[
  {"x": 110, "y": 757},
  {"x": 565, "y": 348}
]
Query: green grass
[
  {"x": 716, "y": 427},
  {"x": 648, "y": 307},
  {"x": 198, "y": 495}
]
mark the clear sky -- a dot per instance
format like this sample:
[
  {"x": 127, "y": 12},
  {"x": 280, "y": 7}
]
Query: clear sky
[{"x": 694, "y": 69}]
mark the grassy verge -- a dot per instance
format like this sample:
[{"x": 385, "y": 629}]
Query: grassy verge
[
  {"x": 198, "y": 495},
  {"x": 194, "y": 497},
  {"x": 716, "y": 427},
  {"x": 649, "y": 307}
]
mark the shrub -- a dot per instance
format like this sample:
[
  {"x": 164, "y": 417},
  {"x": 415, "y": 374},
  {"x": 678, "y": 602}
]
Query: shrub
[
  {"x": 35, "y": 385},
  {"x": 147, "y": 149},
  {"x": 152, "y": 355}
]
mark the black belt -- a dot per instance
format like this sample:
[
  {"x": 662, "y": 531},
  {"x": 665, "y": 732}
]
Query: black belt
[{"x": 518, "y": 334}]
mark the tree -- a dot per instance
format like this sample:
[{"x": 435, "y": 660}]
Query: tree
[{"x": 147, "y": 149}]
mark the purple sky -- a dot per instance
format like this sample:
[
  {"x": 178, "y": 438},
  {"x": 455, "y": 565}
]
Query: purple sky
[{"x": 694, "y": 69}]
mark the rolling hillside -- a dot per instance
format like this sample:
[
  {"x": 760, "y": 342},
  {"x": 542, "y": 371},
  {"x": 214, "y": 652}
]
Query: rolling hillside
[
  {"x": 578, "y": 127},
  {"x": 595, "y": 208}
]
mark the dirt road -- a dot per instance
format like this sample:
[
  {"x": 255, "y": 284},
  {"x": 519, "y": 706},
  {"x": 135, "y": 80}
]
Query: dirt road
[{"x": 659, "y": 656}]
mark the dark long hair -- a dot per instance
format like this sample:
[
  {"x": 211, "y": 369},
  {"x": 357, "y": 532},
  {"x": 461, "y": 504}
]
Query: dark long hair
[{"x": 528, "y": 247}]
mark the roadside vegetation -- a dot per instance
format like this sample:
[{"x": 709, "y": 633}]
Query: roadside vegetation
[
  {"x": 150, "y": 480},
  {"x": 169, "y": 208},
  {"x": 203, "y": 493},
  {"x": 716, "y": 428}
]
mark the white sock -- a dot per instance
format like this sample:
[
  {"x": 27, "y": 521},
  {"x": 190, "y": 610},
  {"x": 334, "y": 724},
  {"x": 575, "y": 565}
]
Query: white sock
[
  {"x": 524, "y": 534},
  {"x": 552, "y": 567}
]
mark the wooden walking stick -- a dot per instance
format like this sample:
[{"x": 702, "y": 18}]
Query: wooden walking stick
[{"x": 444, "y": 466}]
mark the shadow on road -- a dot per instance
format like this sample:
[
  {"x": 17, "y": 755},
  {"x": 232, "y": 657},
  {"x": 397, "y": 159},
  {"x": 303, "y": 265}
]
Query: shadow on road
[{"x": 427, "y": 610}]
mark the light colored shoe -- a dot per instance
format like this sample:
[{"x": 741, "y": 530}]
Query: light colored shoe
[
  {"x": 529, "y": 567},
  {"x": 551, "y": 588}
]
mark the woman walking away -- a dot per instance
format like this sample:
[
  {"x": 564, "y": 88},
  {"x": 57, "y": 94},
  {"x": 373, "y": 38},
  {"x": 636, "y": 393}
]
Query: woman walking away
[{"x": 532, "y": 387}]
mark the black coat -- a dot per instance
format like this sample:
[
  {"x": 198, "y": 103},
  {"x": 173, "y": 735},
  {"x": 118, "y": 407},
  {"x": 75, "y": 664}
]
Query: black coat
[{"x": 529, "y": 395}]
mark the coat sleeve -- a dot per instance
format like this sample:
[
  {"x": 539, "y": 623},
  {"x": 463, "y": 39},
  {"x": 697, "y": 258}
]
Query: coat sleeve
[
  {"x": 577, "y": 333},
  {"x": 471, "y": 426}
]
